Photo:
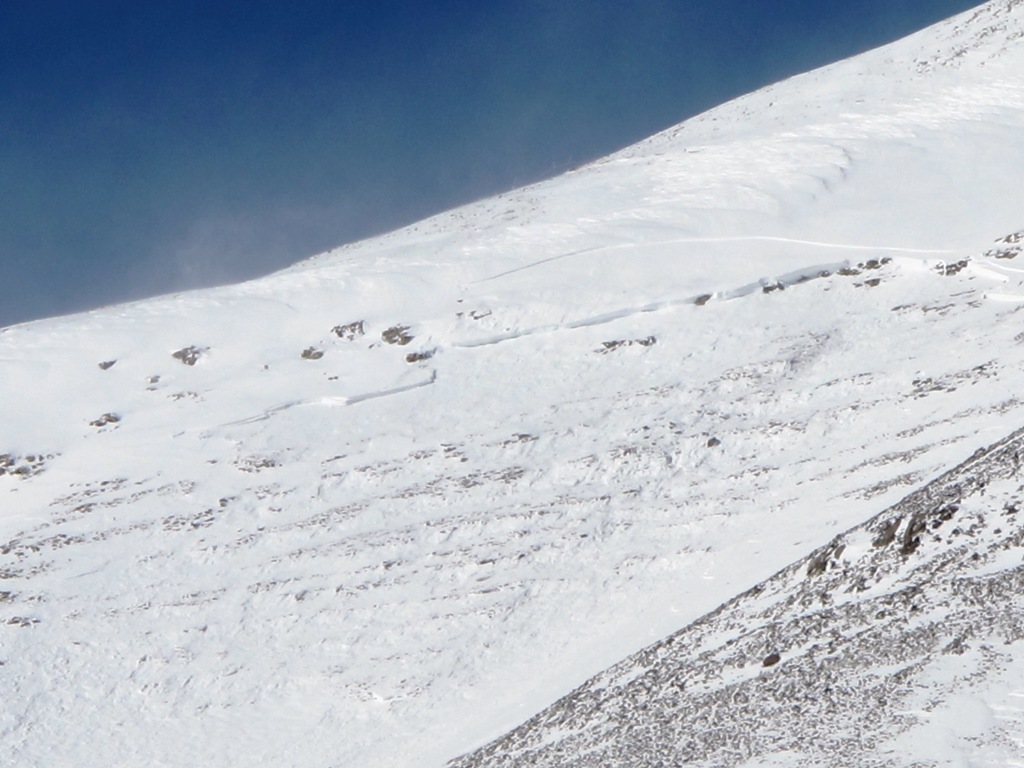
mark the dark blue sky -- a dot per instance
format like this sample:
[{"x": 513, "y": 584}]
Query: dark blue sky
[{"x": 147, "y": 147}]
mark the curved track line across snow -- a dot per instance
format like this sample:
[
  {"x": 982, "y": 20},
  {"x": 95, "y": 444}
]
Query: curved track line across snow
[
  {"x": 737, "y": 239},
  {"x": 791, "y": 278},
  {"x": 340, "y": 400}
]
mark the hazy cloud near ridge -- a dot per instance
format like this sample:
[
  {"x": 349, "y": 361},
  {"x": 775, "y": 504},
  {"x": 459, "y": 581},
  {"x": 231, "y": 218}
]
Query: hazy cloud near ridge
[{"x": 186, "y": 146}]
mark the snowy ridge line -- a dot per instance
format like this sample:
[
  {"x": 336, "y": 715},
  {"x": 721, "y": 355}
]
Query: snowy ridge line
[
  {"x": 338, "y": 400},
  {"x": 735, "y": 239}
]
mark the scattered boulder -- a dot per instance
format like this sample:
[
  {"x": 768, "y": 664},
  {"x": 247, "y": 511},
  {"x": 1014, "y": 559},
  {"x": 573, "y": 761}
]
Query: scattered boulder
[
  {"x": 397, "y": 334},
  {"x": 189, "y": 355},
  {"x": 609, "y": 346},
  {"x": 1012, "y": 247},
  {"x": 819, "y": 561},
  {"x": 22, "y": 467},
  {"x": 912, "y": 535},
  {"x": 349, "y": 331},
  {"x": 888, "y": 533},
  {"x": 714, "y": 442},
  {"x": 311, "y": 353},
  {"x": 948, "y": 270},
  {"x": 771, "y": 660},
  {"x": 415, "y": 357},
  {"x": 106, "y": 418},
  {"x": 107, "y": 364},
  {"x": 1004, "y": 253}
]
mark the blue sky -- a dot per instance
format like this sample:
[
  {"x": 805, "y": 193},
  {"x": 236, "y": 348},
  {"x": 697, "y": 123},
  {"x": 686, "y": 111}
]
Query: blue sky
[{"x": 148, "y": 147}]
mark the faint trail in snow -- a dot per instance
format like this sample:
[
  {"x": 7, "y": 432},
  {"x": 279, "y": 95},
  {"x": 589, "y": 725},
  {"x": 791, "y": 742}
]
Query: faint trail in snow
[
  {"x": 996, "y": 268},
  {"x": 383, "y": 393},
  {"x": 544, "y": 261},
  {"x": 339, "y": 400},
  {"x": 817, "y": 243},
  {"x": 737, "y": 239},
  {"x": 791, "y": 278},
  {"x": 989, "y": 272},
  {"x": 1005, "y": 297}
]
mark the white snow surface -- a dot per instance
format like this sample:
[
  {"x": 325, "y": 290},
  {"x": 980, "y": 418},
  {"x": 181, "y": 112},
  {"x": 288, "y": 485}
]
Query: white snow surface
[{"x": 353, "y": 560}]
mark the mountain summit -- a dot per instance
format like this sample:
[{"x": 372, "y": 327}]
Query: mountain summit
[{"x": 387, "y": 505}]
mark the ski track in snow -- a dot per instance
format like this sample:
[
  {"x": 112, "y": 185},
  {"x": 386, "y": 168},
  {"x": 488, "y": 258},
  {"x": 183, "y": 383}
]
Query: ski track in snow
[
  {"x": 740, "y": 239},
  {"x": 334, "y": 401}
]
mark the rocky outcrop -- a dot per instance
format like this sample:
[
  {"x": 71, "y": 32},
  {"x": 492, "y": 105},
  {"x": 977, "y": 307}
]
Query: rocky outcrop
[{"x": 828, "y": 661}]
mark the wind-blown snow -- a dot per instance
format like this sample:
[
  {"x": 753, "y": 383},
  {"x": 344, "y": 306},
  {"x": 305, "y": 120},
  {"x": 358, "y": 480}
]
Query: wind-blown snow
[{"x": 413, "y": 490}]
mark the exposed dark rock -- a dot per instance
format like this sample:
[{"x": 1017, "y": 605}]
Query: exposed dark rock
[
  {"x": 888, "y": 533},
  {"x": 912, "y": 534},
  {"x": 189, "y": 355},
  {"x": 107, "y": 364},
  {"x": 105, "y": 419},
  {"x": 609, "y": 346},
  {"x": 949, "y": 270},
  {"x": 397, "y": 334},
  {"x": 416, "y": 357},
  {"x": 349, "y": 331},
  {"x": 311, "y": 353},
  {"x": 23, "y": 467},
  {"x": 1011, "y": 249}
]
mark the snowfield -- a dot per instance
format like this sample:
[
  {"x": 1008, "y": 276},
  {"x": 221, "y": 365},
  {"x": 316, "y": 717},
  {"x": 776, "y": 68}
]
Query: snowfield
[{"x": 381, "y": 508}]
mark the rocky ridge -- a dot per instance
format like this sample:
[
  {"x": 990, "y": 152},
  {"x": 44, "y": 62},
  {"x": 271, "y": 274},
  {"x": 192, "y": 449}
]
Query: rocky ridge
[{"x": 833, "y": 658}]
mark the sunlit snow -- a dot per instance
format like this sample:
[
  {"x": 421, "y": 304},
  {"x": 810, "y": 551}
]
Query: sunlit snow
[{"x": 413, "y": 490}]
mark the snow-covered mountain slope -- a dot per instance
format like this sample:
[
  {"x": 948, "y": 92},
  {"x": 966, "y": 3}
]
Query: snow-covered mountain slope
[
  {"x": 900, "y": 640},
  {"x": 381, "y": 507}
]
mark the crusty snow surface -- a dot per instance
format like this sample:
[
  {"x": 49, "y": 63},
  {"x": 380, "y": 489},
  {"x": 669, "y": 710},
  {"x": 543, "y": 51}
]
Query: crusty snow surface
[{"x": 378, "y": 509}]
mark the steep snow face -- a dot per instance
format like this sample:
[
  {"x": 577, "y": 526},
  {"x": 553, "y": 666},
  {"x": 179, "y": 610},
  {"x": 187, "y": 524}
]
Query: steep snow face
[
  {"x": 897, "y": 643},
  {"x": 380, "y": 507}
]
